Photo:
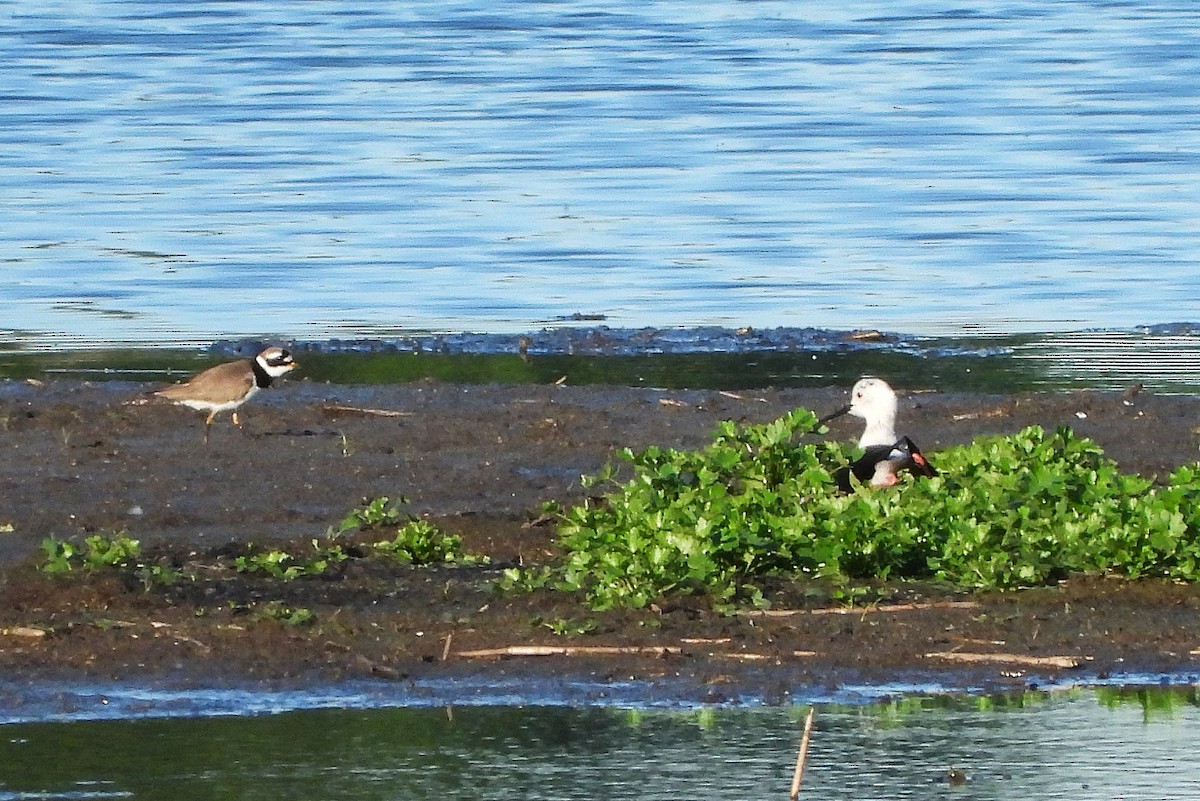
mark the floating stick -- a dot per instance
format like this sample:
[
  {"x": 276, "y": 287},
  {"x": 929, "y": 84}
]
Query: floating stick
[{"x": 798, "y": 774}]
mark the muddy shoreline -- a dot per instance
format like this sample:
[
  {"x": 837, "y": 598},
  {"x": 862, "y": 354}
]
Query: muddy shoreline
[{"x": 78, "y": 459}]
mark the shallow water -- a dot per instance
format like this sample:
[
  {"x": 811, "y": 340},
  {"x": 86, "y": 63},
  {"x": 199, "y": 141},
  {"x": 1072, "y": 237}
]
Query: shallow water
[
  {"x": 179, "y": 172},
  {"x": 1164, "y": 359},
  {"x": 1081, "y": 744}
]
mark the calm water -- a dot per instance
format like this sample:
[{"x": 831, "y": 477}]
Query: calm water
[
  {"x": 185, "y": 171},
  {"x": 1086, "y": 745}
]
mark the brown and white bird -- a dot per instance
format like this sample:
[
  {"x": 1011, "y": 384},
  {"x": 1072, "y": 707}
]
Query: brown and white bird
[
  {"x": 885, "y": 454},
  {"x": 229, "y": 385}
]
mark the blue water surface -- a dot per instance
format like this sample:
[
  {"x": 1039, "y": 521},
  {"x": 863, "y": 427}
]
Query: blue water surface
[
  {"x": 176, "y": 172},
  {"x": 1130, "y": 745}
]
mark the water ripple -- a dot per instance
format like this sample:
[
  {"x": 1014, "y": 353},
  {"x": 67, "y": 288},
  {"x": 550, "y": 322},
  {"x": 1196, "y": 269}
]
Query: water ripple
[{"x": 319, "y": 171}]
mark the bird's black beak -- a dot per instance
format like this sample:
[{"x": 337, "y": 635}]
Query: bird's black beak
[{"x": 834, "y": 415}]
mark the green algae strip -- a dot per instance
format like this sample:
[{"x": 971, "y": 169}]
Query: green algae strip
[
  {"x": 1165, "y": 363},
  {"x": 995, "y": 373}
]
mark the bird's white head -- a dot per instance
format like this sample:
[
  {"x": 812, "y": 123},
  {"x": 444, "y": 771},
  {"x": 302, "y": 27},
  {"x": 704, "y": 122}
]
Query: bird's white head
[
  {"x": 875, "y": 402},
  {"x": 275, "y": 361}
]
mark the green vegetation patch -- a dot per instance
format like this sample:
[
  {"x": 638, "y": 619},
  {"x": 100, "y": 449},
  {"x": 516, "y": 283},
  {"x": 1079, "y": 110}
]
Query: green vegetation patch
[
  {"x": 120, "y": 552},
  {"x": 281, "y": 564},
  {"x": 412, "y": 542},
  {"x": 415, "y": 542},
  {"x": 1005, "y": 512}
]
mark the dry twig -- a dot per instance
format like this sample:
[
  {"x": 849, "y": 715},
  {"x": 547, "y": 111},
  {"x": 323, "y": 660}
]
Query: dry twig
[
  {"x": 339, "y": 408},
  {"x": 25, "y": 631},
  {"x": 571, "y": 650},
  {"x": 802, "y": 756},
  {"x": 1065, "y": 662},
  {"x": 860, "y": 610}
]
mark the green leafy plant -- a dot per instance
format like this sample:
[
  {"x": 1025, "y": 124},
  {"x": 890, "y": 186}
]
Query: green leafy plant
[
  {"x": 566, "y": 627},
  {"x": 704, "y": 521},
  {"x": 283, "y": 613},
  {"x": 118, "y": 552},
  {"x": 1004, "y": 512},
  {"x": 525, "y": 579},
  {"x": 419, "y": 542},
  {"x": 379, "y": 513},
  {"x": 415, "y": 542},
  {"x": 60, "y": 555},
  {"x": 283, "y": 565},
  {"x": 157, "y": 575},
  {"x": 276, "y": 563},
  {"x": 1031, "y": 507}
]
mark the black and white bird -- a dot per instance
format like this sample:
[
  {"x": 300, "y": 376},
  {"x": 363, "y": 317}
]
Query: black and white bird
[
  {"x": 227, "y": 386},
  {"x": 884, "y": 454}
]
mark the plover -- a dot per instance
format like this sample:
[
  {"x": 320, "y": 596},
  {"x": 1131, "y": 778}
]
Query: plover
[
  {"x": 229, "y": 385},
  {"x": 885, "y": 454}
]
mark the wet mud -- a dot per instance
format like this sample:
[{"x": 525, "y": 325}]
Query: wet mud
[{"x": 78, "y": 459}]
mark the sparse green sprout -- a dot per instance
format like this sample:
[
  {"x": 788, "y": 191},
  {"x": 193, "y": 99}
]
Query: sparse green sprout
[
  {"x": 117, "y": 551},
  {"x": 107, "y": 624},
  {"x": 420, "y": 542},
  {"x": 851, "y": 594},
  {"x": 288, "y": 615},
  {"x": 98, "y": 551},
  {"x": 282, "y": 565},
  {"x": 379, "y": 513},
  {"x": 60, "y": 555},
  {"x": 525, "y": 579},
  {"x": 416, "y": 542},
  {"x": 566, "y": 627},
  {"x": 277, "y": 564},
  {"x": 152, "y": 575}
]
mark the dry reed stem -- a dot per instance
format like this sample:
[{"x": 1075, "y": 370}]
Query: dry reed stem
[
  {"x": 860, "y": 610},
  {"x": 1066, "y": 662},
  {"x": 338, "y": 408},
  {"x": 802, "y": 756},
  {"x": 25, "y": 631},
  {"x": 571, "y": 650}
]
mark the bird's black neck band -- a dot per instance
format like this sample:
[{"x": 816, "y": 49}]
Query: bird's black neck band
[{"x": 262, "y": 378}]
